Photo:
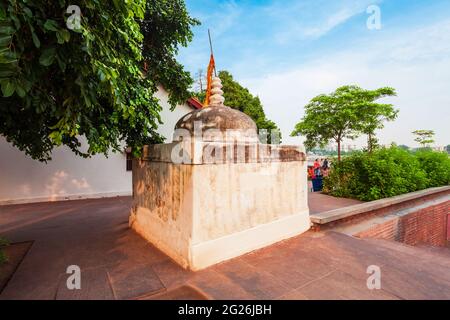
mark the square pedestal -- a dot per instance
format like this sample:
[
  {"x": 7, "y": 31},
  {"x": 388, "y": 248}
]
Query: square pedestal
[{"x": 201, "y": 213}]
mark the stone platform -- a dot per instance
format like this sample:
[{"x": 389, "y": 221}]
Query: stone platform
[
  {"x": 203, "y": 211},
  {"x": 216, "y": 191},
  {"x": 116, "y": 263}
]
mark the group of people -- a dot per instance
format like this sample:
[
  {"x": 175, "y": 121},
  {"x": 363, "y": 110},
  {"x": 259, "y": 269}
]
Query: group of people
[{"x": 320, "y": 168}]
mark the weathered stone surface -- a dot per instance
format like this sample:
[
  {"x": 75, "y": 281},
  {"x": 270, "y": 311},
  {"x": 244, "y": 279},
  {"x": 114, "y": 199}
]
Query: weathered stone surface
[
  {"x": 197, "y": 153},
  {"x": 186, "y": 210},
  {"x": 216, "y": 192},
  {"x": 221, "y": 118}
]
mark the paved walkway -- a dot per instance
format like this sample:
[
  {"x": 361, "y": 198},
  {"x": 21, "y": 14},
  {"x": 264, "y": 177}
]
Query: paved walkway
[
  {"x": 319, "y": 202},
  {"x": 118, "y": 264}
]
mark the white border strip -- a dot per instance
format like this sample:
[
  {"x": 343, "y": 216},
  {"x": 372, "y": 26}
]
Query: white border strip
[
  {"x": 230, "y": 246},
  {"x": 66, "y": 197}
]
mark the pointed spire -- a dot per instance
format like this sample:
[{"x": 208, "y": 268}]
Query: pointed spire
[{"x": 216, "y": 98}]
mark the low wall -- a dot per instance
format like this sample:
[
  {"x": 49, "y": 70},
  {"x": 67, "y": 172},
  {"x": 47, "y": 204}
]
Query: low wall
[
  {"x": 415, "y": 218},
  {"x": 423, "y": 226}
]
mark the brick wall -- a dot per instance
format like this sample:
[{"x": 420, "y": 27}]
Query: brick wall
[
  {"x": 425, "y": 226},
  {"x": 382, "y": 211}
]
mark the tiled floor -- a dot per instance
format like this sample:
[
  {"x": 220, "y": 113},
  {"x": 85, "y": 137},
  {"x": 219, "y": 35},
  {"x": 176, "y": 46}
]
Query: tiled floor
[
  {"x": 319, "y": 202},
  {"x": 117, "y": 264}
]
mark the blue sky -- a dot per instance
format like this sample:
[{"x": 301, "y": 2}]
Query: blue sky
[{"x": 288, "y": 51}]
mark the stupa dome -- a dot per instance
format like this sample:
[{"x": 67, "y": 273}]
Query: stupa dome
[
  {"x": 230, "y": 122},
  {"x": 218, "y": 117}
]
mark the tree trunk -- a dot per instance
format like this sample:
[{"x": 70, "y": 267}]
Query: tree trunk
[
  {"x": 369, "y": 142},
  {"x": 339, "y": 149}
]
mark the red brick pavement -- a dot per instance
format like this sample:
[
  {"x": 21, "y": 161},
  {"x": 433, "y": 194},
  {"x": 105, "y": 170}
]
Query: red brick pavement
[{"x": 118, "y": 264}]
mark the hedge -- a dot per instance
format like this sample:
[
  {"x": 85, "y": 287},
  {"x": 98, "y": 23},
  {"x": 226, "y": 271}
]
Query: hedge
[{"x": 387, "y": 172}]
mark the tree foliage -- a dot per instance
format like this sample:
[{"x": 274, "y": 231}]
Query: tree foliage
[
  {"x": 344, "y": 114},
  {"x": 436, "y": 165},
  {"x": 424, "y": 137},
  {"x": 60, "y": 84},
  {"x": 240, "y": 98},
  {"x": 167, "y": 26},
  {"x": 375, "y": 114}
]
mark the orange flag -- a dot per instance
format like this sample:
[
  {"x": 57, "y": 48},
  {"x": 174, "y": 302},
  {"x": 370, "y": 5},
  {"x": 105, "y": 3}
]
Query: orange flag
[{"x": 211, "y": 67}]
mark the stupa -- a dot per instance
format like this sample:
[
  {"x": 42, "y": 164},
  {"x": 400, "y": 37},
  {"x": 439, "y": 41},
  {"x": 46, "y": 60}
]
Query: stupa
[{"x": 217, "y": 192}]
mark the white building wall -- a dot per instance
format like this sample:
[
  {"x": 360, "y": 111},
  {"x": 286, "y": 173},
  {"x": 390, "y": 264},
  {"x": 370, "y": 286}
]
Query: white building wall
[
  {"x": 68, "y": 176},
  {"x": 168, "y": 117}
]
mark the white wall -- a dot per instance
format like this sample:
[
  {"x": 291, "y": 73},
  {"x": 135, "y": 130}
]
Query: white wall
[
  {"x": 68, "y": 176},
  {"x": 168, "y": 117},
  {"x": 65, "y": 176}
]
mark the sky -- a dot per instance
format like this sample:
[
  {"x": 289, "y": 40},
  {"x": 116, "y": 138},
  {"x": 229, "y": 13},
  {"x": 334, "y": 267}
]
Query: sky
[{"x": 289, "y": 51}]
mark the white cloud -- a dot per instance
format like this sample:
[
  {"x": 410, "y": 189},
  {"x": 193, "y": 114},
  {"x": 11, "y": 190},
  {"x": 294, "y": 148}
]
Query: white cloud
[
  {"x": 330, "y": 23},
  {"x": 316, "y": 19},
  {"x": 415, "y": 61}
]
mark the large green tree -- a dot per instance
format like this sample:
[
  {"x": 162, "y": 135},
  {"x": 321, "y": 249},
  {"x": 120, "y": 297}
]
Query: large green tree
[
  {"x": 424, "y": 137},
  {"x": 238, "y": 97},
  {"x": 374, "y": 114},
  {"x": 96, "y": 81},
  {"x": 343, "y": 114}
]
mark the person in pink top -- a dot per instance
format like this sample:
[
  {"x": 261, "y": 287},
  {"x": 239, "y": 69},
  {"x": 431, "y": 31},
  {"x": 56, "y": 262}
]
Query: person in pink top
[{"x": 316, "y": 167}]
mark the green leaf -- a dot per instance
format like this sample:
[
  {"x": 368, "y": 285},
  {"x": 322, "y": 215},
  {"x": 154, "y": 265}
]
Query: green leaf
[
  {"x": 20, "y": 91},
  {"x": 8, "y": 57},
  {"x": 36, "y": 41},
  {"x": 7, "y": 30},
  {"x": 5, "y": 73},
  {"x": 28, "y": 12},
  {"x": 2, "y": 13},
  {"x": 47, "y": 56},
  {"x": 65, "y": 34},
  {"x": 8, "y": 88},
  {"x": 51, "y": 25},
  {"x": 16, "y": 21},
  {"x": 59, "y": 38},
  {"x": 5, "y": 40}
]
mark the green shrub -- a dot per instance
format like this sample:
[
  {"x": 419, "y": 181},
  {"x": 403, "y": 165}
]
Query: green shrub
[
  {"x": 436, "y": 166},
  {"x": 387, "y": 172},
  {"x": 3, "y": 243}
]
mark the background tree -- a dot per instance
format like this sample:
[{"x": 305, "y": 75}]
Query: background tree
[
  {"x": 240, "y": 98},
  {"x": 343, "y": 114},
  {"x": 447, "y": 148},
  {"x": 424, "y": 137},
  {"x": 58, "y": 84},
  {"x": 404, "y": 147},
  {"x": 166, "y": 27},
  {"x": 374, "y": 114},
  {"x": 200, "y": 81}
]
